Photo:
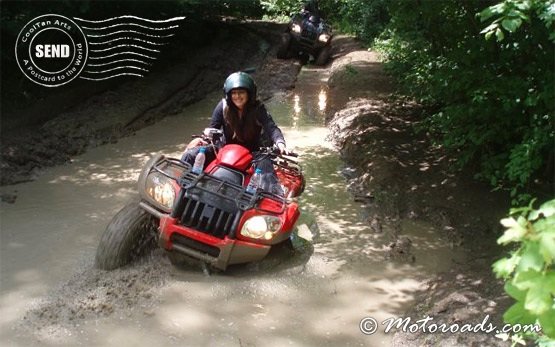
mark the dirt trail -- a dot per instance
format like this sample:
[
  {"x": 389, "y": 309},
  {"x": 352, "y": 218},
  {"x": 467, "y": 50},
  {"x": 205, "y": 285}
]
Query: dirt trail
[{"x": 399, "y": 175}]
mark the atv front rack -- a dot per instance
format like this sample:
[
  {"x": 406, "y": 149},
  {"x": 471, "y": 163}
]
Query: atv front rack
[
  {"x": 192, "y": 184},
  {"x": 214, "y": 206},
  {"x": 163, "y": 165}
]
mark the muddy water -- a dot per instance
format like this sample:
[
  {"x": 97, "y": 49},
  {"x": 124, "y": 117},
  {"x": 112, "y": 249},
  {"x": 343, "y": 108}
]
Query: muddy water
[{"x": 315, "y": 296}]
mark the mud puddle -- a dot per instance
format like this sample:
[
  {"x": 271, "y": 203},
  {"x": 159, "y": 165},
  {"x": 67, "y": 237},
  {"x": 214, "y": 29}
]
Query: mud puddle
[{"x": 339, "y": 272}]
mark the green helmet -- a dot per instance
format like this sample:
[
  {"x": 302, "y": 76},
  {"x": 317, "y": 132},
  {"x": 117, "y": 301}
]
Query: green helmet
[{"x": 240, "y": 80}]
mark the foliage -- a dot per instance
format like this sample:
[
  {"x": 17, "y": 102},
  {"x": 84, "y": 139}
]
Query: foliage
[
  {"x": 512, "y": 14},
  {"x": 366, "y": 19},
  {"x": 286, "y": 8},
  {"x": 492, "y": 102},
  {"x": 529, "y": 271}
]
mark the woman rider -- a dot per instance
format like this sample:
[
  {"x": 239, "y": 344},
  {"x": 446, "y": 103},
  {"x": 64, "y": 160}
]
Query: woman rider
[{"x": 243, "y": 119}]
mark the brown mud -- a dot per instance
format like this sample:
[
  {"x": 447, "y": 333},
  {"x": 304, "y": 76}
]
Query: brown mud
[{"x": 398, "y": 174}]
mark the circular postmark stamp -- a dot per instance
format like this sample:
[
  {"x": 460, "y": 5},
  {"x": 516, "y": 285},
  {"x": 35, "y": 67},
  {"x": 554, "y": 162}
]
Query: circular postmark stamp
[{"x": 51, "y": 50}]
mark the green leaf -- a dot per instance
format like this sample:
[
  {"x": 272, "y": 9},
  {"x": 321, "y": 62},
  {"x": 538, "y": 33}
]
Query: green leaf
[
  {"x": 489, "y": 29},
  {"x": 547, "y": 322},
  {"x": 545, "y": 225},
  {"x": 486, "y": 14},
  {"x": 538, "y": 300},
  {"x": 499, "y": 8},
  {"x": 499, "y": 34},
  {"x": 489, "y": 35},
  {"x": 547, "y": 246},
  {"x": 504, "y": 267},
  {"x": 509, "y": 222},
  {"x": 549, "y": 282},
  {"x": 547, "y": 209},
  {"x": 544, "y": 341},
  {"x": 514, "y": 292},
  {"x": 527, "y": 279},
  {"x": 514, "y": 233},
  {"x": 511, "y": 24},
  {"x": 523, "y": 5},
  {"x": 516, "y": 314},
  {"x": 531, "y": 258},
  {"x": 518, "y": 339}
]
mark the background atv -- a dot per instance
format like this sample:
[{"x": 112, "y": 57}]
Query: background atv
[{"x": 306, "y": 35}]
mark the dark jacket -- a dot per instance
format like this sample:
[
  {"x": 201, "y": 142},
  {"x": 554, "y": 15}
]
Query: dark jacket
[{"x": 268, "y": 128}]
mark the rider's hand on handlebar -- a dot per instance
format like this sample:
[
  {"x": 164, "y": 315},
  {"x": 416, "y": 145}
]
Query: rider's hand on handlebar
[
  {"x": 282, "y": 148},
  {"x": 196, "y": 142}
]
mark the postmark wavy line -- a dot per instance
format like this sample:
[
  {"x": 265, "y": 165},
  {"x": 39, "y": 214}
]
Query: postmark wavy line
[
  {"x": 133, "y": 25},
  {"x": 129, "y": 31},
  {"x": 122, "y": 46},
  {"x": 117, "y": 68},
  {"x": 129, "y": 60},
  {"x": 125, "y": 44},
  {"x": 131, "y": 17},
  {"x": 122, "y": 53},
  {"x": 128, "y": 38},
  {"x": 112, "y": 76}
]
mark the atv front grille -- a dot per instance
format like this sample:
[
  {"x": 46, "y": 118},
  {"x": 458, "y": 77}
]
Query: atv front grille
[
  {"x": 211, "y": 205},
  {"x": 309, "y": 35},
  {"x": 207, "y": 218}
]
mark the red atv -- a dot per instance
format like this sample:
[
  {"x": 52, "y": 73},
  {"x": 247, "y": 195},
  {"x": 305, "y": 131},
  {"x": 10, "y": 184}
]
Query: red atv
[{"x": 210, "y": 217}]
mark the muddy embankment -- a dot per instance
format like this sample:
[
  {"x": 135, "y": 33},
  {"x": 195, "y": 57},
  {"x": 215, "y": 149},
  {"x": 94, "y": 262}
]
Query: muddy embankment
[
  {"x": 398, "y": 174},
  {"x": 50, "y": 130}
]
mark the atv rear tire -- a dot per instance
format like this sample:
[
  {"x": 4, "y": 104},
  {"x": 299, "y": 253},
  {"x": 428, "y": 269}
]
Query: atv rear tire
[
  {"x": 283, "y": 49},
  {"x": 129, "y": 235},
  {"x": 323, "y": 56}
]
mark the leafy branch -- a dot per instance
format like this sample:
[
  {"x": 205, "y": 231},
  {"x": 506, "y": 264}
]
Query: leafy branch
[
  {"x": 529, "y": 271},
  {"x": 511, "y": 14}
]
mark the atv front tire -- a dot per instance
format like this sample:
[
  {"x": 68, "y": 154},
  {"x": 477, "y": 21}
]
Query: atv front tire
[
  {"x": 323, "y": 56},
  {"x": 283, "y": 49},
  {"x": 128, "y": 235}
]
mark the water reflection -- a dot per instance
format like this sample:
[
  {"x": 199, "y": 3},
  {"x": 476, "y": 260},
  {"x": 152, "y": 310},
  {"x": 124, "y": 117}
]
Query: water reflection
[
  {"x": 322, "y": 100},
  {"x": 297, "y": 104},
  {"x": 306, "y": 108}
]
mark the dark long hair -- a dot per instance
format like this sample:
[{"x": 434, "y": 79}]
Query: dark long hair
[{"x": 246, "y": 129}]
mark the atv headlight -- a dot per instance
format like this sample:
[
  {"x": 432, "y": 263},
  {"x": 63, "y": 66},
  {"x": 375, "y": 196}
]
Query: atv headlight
[
  {"x": 159, "y": 188},
  {"x": 296, "y": 28},
  {"x": 258, "y": 227},
  {"x": 323, "y": 38}
]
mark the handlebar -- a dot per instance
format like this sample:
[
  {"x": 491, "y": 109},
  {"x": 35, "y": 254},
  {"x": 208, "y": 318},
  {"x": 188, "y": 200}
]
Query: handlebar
[
  {"x": 274, "y": 151},
  {"x": 213, "y": 137},
  {"x": 201, "y": 136}
]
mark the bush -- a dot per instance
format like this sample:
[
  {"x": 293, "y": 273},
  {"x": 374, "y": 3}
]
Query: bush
[
  {"x": 492, "y": 102},
  {"x": 281, "y": 8},
  {"x": 529, "y": 271}
]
